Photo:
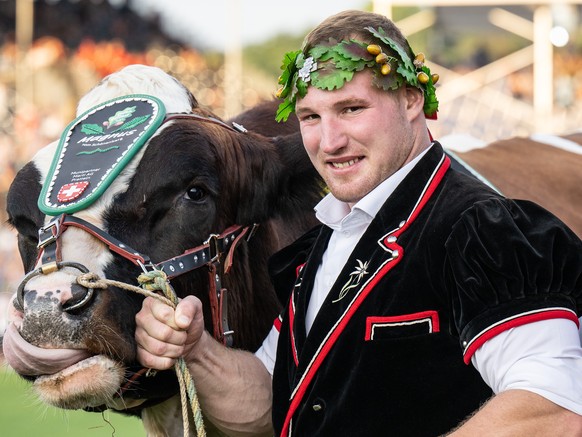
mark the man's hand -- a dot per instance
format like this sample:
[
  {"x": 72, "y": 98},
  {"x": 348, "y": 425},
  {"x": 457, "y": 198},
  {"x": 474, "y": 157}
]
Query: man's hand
[{"x": 164, "y": 334}]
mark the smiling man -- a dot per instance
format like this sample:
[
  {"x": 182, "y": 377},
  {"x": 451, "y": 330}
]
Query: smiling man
[
  {"x": 352, "y": 142},
  {"x": 425, "y": 304}
]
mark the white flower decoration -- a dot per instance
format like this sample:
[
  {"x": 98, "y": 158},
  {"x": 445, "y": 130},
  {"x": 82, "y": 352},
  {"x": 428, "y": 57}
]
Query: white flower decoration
[
  {"x": 308, "y": 66},
  {"x": 355, "y": 278}
]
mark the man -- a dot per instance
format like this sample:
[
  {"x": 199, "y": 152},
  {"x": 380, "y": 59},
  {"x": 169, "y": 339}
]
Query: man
[{"x": 428, "y": 304}]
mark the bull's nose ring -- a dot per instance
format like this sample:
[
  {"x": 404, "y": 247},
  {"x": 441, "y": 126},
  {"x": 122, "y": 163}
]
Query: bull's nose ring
[{"x": 45, "y": 269}]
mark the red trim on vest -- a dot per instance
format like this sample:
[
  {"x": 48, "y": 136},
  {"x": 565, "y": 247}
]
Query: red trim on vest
[
  {"x": 335, "y": 333},
  {"x": 426, "y": 316},
  {"x": 296, "y": 400},
  {"x": 277, "y": 323},
  {"x": 292, "y": 318},
  {"x": 291, "y": 324},
  {"x": 298, "y": 269},
  {"x": 518, "y": 320},
  {"x": 446, "y": 163}
]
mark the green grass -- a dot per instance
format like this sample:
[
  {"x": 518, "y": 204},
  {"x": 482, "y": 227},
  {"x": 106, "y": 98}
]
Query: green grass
[{"x": 22, "y": 415}]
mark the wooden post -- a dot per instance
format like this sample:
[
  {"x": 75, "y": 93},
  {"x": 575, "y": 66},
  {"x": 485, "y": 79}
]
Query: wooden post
[
  {"x": 383, "y": 7},
  {"x": 23, "y": 80},
  {"x": 543, "y": 69},
  {"x": 233, "y": 70}
]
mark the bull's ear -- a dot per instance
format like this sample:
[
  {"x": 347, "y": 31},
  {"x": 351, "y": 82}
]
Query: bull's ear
[
  {"x": 282, "y": 180},
  {"x": 23, "y": 212}
]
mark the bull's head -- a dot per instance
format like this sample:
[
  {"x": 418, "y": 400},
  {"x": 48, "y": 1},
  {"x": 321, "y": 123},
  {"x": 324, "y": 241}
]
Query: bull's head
[{"x": 191, "y": 176}]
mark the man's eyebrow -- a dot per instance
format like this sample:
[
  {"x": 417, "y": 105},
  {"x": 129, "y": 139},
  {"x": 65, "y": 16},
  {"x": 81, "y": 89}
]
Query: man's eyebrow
[
  {"x": 349, "y": 101},
  {"x": 302, "y": 110}
]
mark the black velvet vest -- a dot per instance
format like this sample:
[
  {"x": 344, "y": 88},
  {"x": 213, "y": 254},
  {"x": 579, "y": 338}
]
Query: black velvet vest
[{"x": 389, "y": 351}]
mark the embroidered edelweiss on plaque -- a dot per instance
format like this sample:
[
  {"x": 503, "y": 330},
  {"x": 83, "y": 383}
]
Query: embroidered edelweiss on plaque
[{"x": 355, "y": 278}]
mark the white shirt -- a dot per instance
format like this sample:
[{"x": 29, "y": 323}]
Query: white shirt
[
  {"x": 543, "y": 357},
  {"x": 348, "y": 226}
]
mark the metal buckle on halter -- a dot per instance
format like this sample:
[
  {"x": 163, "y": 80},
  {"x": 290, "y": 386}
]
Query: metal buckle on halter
[
  {"x": 145, "y": 265},
  {"x": 253, "y": 231},
  {"x": 213, "y": 248},
  {"x": 49, "y": 233},
  {"x": 239, "y": 127}
]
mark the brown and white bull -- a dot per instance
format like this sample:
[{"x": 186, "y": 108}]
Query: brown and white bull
[{"x": 192, "y": 192}]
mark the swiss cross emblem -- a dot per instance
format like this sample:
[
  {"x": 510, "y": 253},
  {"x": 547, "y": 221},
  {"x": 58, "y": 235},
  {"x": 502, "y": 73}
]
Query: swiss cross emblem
[{"x": 71, "y": 191}]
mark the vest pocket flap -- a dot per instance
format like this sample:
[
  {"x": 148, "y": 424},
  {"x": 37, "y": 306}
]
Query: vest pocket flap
[{"x": 406, "y": 325}]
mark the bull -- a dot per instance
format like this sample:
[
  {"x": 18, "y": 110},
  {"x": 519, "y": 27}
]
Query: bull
[{"x": 145, "y": 180}]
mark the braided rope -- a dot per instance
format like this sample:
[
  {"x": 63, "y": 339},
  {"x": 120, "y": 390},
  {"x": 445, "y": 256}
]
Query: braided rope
[{"x": 151, "y": 282}]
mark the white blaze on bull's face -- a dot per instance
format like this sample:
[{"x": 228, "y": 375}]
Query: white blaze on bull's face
[{"x": 139, "y": 79}]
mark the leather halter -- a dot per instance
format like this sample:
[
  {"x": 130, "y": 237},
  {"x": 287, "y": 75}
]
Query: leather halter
[
  {"x": 191, "y": 115},
  {"x": 210, "y": 253},
  {"x": 217, "y": 249}
]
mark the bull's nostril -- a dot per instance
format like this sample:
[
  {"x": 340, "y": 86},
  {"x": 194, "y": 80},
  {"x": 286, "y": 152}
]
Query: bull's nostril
[{"x": 80, "y": 297}]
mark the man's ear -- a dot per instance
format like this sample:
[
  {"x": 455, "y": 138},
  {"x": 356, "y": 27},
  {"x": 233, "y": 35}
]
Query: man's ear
[{"x": 414, "y": 102}]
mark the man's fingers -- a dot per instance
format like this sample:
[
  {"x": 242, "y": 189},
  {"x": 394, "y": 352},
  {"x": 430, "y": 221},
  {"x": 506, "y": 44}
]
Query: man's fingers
[
  {"x": 154, "y": 361},
  {"x": 163, "y": 334},
  {"x": 160, "y": 339},
  {"x": 186, "y": 311},
  {"x": 160, "y": 311}
]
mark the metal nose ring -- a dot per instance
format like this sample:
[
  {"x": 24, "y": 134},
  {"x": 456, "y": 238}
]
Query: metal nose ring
[{"x": 45, "y": 269}]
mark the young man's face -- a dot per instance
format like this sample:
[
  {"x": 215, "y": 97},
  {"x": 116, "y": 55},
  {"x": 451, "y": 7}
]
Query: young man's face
[{"x": 357, "y": 136}]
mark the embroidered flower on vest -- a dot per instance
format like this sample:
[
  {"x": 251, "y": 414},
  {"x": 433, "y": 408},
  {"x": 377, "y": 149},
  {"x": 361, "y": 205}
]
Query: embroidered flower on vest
[{"x": 355, "y": 278}]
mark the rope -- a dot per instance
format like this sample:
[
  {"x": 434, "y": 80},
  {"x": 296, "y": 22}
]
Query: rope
[{"x": 150, "y": 282}]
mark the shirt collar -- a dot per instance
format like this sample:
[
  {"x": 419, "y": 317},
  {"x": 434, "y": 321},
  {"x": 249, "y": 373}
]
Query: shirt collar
[{"x": 337, "y": 214}]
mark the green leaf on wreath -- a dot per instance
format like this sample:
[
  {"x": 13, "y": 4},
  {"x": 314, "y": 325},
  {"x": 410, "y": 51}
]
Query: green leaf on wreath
[
  {"x": 301, "y": 88},
  {"x": 388, "y": 82},
  {"x": 318, "y": 51},
  {"x": 330, "y": 78},
  {"x": 406, "y": 67},
  {"x": 409, "y": 76},
  {"x": 381, "y": 35},
  {"x": 431, "y": 106},
  {"x": 431, "y": 103},
  {"x": 354, "y": 51},
  {"x": 284, "y": 110},
  {"x": 288, "y": 66}
]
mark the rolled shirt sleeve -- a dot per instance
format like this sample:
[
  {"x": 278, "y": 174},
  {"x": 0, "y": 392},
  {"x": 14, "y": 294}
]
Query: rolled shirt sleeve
[{"x": 543, "y": 357}]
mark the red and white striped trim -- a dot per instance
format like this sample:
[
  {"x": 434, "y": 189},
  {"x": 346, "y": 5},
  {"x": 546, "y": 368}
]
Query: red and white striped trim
[
  {"x": 514, "y": 322},
  {"x": 291, "y": 330},
  {"x": 292, "y": 316},
  {"x": 430, "y": 318}
]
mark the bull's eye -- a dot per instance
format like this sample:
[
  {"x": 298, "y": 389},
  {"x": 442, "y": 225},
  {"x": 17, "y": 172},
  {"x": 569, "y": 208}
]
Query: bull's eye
[{"x": 196, "y": 194}]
